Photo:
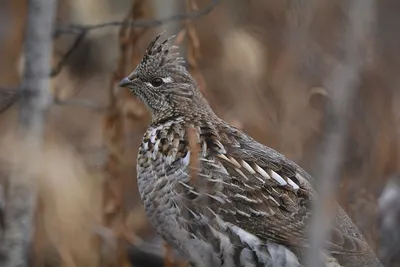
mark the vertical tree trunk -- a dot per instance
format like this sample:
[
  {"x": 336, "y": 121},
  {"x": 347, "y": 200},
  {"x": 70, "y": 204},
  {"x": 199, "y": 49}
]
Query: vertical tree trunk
[
  {"x": 343, "y": 87},
  {"x": 35, "y": 99}
]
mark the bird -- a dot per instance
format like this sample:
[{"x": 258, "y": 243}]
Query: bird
[{"x": 212, "y": 192}]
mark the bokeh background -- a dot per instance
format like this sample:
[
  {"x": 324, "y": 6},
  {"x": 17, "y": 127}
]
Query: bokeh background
[{"x": 263, "y": 65}]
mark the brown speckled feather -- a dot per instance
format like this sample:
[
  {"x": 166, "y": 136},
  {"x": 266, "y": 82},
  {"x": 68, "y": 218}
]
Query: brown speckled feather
[
  {"x": 260, "y": 192},
  {"x": 216, "y": 195}
]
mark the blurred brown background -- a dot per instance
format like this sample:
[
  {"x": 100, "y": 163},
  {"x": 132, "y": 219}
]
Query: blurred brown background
[{"x": 263, "y": 65}]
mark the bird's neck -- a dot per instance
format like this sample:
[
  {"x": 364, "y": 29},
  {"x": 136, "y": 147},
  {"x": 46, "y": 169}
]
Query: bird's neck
[
  {"x": 196, "y": 110},
  {"x": 196, "y": 117}
]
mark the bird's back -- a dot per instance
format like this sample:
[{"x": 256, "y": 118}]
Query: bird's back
[{"x": 210, "y": 189}]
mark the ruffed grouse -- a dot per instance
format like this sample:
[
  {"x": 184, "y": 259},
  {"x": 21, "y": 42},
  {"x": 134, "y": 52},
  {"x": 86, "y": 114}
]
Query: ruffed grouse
[{"x": 212, "y": 192}]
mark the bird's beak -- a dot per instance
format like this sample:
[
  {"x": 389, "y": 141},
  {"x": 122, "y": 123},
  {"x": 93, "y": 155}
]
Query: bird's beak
[{"x": 125, "y": 82}]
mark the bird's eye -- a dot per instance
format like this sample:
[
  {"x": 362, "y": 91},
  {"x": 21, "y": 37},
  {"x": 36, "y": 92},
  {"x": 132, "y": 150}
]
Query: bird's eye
[{"x": 156, "y": 82}]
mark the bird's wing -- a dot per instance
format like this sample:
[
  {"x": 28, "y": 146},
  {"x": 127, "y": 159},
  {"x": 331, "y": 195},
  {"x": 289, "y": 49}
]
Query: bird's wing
[{"x": 257, "y": 189}]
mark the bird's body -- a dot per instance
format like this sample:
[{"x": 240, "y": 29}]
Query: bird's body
[
  {"x": 207, "y": 204},
  {"x": 215, "y": 194}
]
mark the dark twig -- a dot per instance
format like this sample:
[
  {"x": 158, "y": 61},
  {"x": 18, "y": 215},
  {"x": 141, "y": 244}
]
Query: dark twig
[
  {"x": 78, "y": 29},
  {"x": 78, "y": 40},
  {"x": 7, "y": 90},
  {"x": 141, "y": 258},
  {"x": 82, "y": 30},
  {"x": 84, "y": 103},
  {"x": 8, "y": 97},
  {"x": 147, "y": 255}
]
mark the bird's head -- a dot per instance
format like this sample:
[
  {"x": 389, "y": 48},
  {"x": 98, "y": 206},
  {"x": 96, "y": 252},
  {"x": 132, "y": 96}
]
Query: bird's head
[{"x": 164, "y": 84}]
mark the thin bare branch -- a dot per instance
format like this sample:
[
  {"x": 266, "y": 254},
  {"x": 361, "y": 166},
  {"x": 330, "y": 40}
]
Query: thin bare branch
[
  {"x": 8, "y": 97},
  {"x": 84, "y": 103},
  {"x": 148, "y": 254},
  {"x": 6, "y": 90},
  {"x": 78, "y": 40}
]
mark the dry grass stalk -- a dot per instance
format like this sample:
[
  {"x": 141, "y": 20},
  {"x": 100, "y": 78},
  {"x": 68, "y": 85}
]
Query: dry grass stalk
[
  {"x": 194, "y": 164},
  {"x": 168, "y": 258},
  {"x": 193, "y": 54},
  {"x": 193, "y": 46},
  {"x": 114, "y": 135}
]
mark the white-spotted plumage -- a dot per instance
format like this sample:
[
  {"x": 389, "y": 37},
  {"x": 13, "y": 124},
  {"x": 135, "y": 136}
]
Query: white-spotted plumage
[
  {"x": 234, "y": 162},
  {"x": 247, "y": 167},
  {"x": 293, "y": 184},
  {"x": 261, "y": 171},
  {"x": 186, "y": 159},
  {"x": 277, "y": 178}
]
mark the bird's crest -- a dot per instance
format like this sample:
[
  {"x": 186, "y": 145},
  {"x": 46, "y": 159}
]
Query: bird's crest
[{"x": 161, "y": 53}]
